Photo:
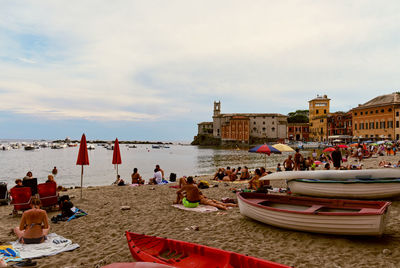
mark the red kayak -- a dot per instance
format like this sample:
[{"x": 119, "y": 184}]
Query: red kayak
[{"x": 184, "y": 254}]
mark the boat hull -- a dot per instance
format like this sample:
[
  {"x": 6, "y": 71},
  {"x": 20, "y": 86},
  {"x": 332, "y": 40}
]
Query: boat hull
[
  {"x": 309, "y": 219},
  {"x": 345, "y": 190}
]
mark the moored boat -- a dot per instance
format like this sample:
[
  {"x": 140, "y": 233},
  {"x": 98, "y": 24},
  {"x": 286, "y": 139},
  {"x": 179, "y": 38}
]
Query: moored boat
[
  {"x": 328, "y": 216},
  {"x": 185, "y": 254},
  {"x": 356, "y": 184}
]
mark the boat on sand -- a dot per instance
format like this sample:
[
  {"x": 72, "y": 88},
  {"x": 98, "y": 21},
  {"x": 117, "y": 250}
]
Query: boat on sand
[
  {"x": 185, "y": 254},
  {"x": 355, "y": 184},
  {"x": 328, "y": 216}
]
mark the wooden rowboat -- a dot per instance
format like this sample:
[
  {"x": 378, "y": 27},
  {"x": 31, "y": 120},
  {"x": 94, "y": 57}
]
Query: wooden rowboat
[
  {"x": 185, "y": 254},
  {"x": 356, "y": 184},
  {"x": 328, "y": 216}
]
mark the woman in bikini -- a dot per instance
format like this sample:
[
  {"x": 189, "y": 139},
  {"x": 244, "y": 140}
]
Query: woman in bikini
[{"x": 34, "y": 225}]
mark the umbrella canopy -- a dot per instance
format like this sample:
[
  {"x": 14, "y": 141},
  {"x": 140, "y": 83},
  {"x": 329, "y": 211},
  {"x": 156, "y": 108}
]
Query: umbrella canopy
[
  {"x": 116, "y": 154},
  {"x": 343, "y": 146},
  {"x": 380, "y": 142},
  {"x": 83, "y": 157},
  {"x": 264, "y": 149},
  {"x": 283, "y": 147},
  {"x": 354, "y": 144},
  {"x": 329, "y": 149}
]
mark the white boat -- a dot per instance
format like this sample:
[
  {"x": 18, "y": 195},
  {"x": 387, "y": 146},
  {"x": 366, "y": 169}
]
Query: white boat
[
  {"x": 29, "y": 147},
  {"x": 5, "y": 147},
  {"x": 357, "y": 184},
  {"x": 328, "y": 216},
  {"x": 90, "y": 147},
  {"x": 311, "y": 145}
]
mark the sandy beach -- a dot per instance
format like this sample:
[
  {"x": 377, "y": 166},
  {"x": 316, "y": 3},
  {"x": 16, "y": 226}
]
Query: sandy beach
[{"x": 102, "y": 240}]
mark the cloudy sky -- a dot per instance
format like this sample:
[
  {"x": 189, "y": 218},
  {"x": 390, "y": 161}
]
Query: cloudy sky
[{"x": 150, "y": 70}]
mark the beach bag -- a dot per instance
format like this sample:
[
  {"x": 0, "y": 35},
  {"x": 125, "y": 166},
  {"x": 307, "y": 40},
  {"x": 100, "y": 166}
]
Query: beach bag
[
  {"x": 172, "y": 177},
  {"x": 203, "y": 184}
]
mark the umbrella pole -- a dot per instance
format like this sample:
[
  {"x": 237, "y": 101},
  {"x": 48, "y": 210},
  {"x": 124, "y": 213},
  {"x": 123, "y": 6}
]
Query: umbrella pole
[
  {"x": 265, "y": 161},
  {"x": 117, "y": 170},
  {"x": 81, "y": 180}
]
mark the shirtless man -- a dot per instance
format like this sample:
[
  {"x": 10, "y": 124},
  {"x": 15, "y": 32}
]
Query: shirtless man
[
  {"x": 288, "y": 163},
  {"x": 34, "y": 225},
  {"x": 298, "y": 159},
  {"x": 192, "y": 198}
]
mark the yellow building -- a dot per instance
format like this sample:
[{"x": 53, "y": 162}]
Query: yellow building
[
  {"x": 377, "y": 118},
  {"x": 318, "y": 113}
]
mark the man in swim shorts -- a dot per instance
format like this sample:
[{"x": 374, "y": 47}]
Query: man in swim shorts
[{"x": 192, "y": 198}]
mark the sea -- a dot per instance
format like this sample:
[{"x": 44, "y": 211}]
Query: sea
[{"x": 183, "y": 160}]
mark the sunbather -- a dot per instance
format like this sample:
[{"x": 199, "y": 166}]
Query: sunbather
[
  {"x": 215, "y": 203},
  {"x": 136, "y": 178},
  {"x": 192, "y": 197},
  {"x": 34, "y": 225}
]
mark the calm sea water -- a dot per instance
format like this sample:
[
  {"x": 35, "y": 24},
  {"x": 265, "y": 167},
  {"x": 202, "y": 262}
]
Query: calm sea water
[{"x": 179, "y": 159}]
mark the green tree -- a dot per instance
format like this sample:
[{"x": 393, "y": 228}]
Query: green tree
[{"x": 300, "y": 116}]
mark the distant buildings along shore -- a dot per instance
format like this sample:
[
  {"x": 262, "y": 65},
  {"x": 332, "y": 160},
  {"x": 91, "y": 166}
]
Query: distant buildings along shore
[{"x": 374, "y": 120}]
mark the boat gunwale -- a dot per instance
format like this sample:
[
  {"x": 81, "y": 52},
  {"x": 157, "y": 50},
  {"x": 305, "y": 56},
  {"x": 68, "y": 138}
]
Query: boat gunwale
[
  {"x": 383, "y": 205},
  {"x": 347, "y": 181}
]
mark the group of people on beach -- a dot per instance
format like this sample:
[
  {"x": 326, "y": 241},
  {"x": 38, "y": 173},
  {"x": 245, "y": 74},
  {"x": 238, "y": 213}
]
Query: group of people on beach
[
  {"x": 136, "y": 178},
  {"x": 233, "y": 174}
]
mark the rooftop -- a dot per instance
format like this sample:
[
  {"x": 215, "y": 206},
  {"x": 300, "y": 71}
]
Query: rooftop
[
  {"x": 253, "y": 114},
  {"x": 393, "y": 98},
  {"x": 320, "y": 97}
]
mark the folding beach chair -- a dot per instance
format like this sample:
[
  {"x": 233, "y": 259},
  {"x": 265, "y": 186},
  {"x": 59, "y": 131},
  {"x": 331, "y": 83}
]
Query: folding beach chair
[
  {"x": 3, "y": 193},
  {"x": 32, "y": 183},
  {"x": 21, "y": 198},
  {"x": 48, "y": 194}
]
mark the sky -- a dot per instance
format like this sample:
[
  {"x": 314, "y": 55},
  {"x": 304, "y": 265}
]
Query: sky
[{"x": 151, "y": 70}]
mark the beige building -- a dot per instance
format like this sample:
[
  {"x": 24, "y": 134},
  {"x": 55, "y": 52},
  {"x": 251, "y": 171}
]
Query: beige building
[
  {"x": 243, "y": 126},
  {"x": 318, "y": 114},
  {"x": 377, "y": 118},
  {"x": 205, "y": 128}
]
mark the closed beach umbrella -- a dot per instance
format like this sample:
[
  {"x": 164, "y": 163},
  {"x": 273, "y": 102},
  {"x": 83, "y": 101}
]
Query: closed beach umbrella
[
  {"x": 83, "y": 157},
  {"x": 283, "y": 147},
  {"x": 264, "y": 149},
  {"x": 329, "y": 149},
  {"x": 116, "y": 155}
]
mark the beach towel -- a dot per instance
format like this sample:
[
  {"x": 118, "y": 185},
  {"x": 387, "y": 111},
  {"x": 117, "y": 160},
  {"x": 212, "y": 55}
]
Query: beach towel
[
  {"x": 200, "y": 208},
  {"x": 53, "y": 245},
  {"x": 8, "y": 253}
]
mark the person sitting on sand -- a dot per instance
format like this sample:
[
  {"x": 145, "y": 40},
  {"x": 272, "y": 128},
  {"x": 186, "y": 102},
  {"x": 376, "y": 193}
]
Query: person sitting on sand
[
  {"x": 119, "y": 181},
  {"x": 136, "y": 178},
  {"x": 278, "y": 168},
  {"x": 189, "y": 194},
  {"x": 327, "y": 166},
  {"x": 245, "y": 175},
  {"x": 182, "y": 181},
  {"x": 255, "y": 183},
  {"x": 157, "y": 178},
  {"x": 219, "y": 175},
  {"x": 34, "y": 224},
  {"x": 161, "y": 170}
]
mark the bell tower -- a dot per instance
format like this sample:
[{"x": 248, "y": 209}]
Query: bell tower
[{"x": 217, "y": 108}]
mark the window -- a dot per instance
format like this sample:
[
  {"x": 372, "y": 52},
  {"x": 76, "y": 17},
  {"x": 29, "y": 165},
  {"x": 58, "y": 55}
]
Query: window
[
  {"x": 355, "y": 126},
  {"x": 273, "y": 129},
  {"x": 366, "y": 112},
  {"x": 377, "y": 125},
  {"x": 366, "y": 125},
  {"x": 317, "y": 111},
  {"x": 263, "y": 122},
  {"x": 322, "y": 120},
  {"x": 371, "y": 125},
  {"x": 273, "y": 122},
  {"x": 254, "y": 123},
  {"x": 355, "y": 114},
  {"x": 324, "y": 111},
  {"x": 390, "y": 124},
  {"x": 382, "y": 111},
  {"x": 372, "y": 112},
  {"x": 397, "y": 113},
  {"x": 390, "y": 109},
  {"x": 273, "y": 117},
  {"x": 361, "y": 125},
  {"x": 397, "y": 123},
  {"x": 263, "y": 128},
  {"x": 376, "y": 111},
  {"x": 361, "y": 113},
  {"x": 254, "y": 128}
]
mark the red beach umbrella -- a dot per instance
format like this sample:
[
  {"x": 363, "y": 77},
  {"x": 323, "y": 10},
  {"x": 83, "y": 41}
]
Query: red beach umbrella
[
  {"x": 329, "y": 149},
  {"x": 116, "y": 155},
  {"x": 83, "y": 157},
  {"x": 343, "y": 146}
]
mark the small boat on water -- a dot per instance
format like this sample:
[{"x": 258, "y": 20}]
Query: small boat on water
[
  {"x": 155, "y": 146},
  {"x": 356, "y": 184},
  {"x": 29, "y": 147},
  {"x": 91, "y": 147},
  {"x": 185, "y": 254},
  {"x": 328, "y": 216}
]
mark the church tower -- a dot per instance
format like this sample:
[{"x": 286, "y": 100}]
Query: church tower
[{"x": 217, "y": 108}]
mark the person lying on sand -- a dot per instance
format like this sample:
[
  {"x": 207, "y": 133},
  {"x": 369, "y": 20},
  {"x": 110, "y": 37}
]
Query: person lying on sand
[
  {"x": 34, "y": 225},
  {"x": 215, "y": 203},
  {"x": 192, "y": 198}
]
